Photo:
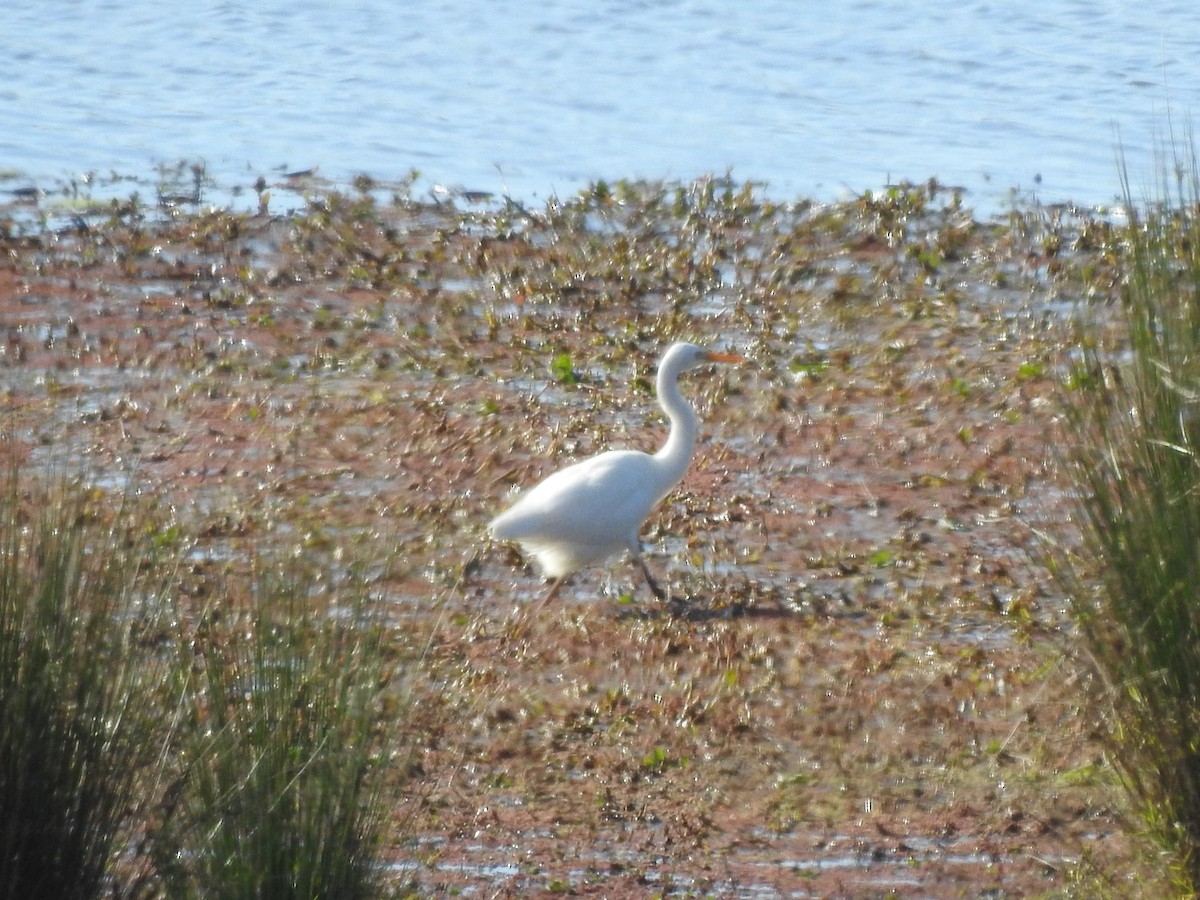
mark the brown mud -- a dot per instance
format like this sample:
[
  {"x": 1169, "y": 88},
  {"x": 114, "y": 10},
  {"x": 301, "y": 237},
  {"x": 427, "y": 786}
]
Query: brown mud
[{"x": 863, "y": 685}]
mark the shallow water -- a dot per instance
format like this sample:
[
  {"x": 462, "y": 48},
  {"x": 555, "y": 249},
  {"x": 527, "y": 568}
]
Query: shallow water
[{"x": 540, "y": 99}]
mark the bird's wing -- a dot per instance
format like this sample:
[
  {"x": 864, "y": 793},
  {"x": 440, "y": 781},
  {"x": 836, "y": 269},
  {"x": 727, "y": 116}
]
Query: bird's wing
[{"x": 610, "y": 494}]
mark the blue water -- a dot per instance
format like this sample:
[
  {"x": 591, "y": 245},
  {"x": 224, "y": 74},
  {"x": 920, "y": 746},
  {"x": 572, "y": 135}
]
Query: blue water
[{"x": 539, "y": 99}]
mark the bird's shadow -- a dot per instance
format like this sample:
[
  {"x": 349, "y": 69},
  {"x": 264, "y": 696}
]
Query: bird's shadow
[{"x": 691, "y": 609}]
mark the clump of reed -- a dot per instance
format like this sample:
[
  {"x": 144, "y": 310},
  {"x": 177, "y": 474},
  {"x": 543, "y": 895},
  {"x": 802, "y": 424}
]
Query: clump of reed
[
  {"x": 280, "y": 762},
  {"x": 1133, "y": 415},
  {"x": 81, "y": 662},
  {"x": 152, "y": 751}
]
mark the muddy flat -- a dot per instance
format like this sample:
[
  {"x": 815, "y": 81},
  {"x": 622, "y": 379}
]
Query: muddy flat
[{"x": 863, "y": 682}]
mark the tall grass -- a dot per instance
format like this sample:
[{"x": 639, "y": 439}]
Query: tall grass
[
  {"x": 235, "y": 752},
  {"x": 79, "y": 719},
  {"x": 1134, "y": 414},
  {"x": 279, "y": 765}
]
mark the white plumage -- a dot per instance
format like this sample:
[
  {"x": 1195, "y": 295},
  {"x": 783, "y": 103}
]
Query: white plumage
[{"x": 591, "y": 510}]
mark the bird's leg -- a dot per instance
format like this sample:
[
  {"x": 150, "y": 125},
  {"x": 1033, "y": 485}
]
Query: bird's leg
[
  {"x": 534, "y": 611},
  {"x": 658, "y": 592},
  {"x": 558, "y": 582}
]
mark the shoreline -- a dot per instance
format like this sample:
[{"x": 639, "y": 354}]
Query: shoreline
[{"x": 189, "y": 186}]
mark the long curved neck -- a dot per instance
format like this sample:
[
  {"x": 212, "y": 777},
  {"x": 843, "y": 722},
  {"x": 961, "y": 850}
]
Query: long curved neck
[{"x": 676, "y": 453}]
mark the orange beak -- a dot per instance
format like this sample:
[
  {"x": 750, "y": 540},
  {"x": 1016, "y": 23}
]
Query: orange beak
[{"x": 715, "y": 356}]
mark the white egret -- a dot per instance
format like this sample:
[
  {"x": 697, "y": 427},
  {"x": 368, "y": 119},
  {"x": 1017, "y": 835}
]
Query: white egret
[{"x": 593, "y": 509}]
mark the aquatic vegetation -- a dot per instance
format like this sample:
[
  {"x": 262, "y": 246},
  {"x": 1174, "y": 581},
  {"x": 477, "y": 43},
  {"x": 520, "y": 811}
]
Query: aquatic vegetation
[
  {"x": 1131, "y": 407},
  {"x": 869, "y": 664}
]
